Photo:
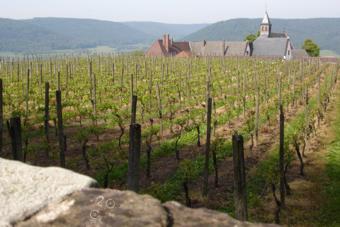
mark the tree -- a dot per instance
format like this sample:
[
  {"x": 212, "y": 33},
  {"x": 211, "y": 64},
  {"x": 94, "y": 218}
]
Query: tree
[
  {"x": 252, "y": 37},
  {"x": 311, "y": 48}
]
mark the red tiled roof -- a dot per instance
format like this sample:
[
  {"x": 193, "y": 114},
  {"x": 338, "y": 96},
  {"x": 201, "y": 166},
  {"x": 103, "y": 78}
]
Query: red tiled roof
[
  {"x": 158, "y": 48},
  {"x": 183, "y": 46},
  {"x": 184, "y": 54}
]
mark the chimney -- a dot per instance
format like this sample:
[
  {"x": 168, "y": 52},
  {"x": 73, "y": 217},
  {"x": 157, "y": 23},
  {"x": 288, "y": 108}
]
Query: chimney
[{"x": 166, "y": 42}]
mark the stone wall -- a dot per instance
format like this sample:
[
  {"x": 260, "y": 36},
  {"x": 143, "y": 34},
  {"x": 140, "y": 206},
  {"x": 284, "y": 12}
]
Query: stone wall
[{"x": 35, "y": 196}]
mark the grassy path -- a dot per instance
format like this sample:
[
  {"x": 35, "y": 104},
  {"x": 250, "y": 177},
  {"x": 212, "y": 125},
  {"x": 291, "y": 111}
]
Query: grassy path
[
  {"x": 315, "y": 198},
  {"x": 330, "y": 209}
]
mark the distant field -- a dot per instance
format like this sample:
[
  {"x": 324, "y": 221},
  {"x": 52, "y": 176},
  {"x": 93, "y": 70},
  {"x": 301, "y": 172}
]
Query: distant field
[
  {"x": 109, "y": 50},
  {"x": 98, "y": 49},
  {"x": 328, "y": 53}
]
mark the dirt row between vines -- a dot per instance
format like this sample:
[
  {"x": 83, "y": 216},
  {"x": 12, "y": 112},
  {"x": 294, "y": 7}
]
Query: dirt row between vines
[
  {"x": 219, "y": 197},
  {"x": 164, "y": 167},
  {"x": 305, "y": 201},
  {"x": 161, "y": 168}
]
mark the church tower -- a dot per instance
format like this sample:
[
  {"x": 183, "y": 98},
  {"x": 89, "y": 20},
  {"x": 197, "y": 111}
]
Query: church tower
[{"x": 266, "y": 26}]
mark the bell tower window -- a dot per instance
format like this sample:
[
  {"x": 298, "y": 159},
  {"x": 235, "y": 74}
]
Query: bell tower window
[{"x": 265, "y": 26}]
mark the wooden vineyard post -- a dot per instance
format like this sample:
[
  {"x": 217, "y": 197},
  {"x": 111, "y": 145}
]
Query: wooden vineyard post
[
  {"x": 122, "y": 78},
  {"x": 244, "y": 95},
  {"x": 280, "y": 88},
  {"x": 67, "y": 74},
  {"x": 47, "y": 109},
  {"x": 281, "y": 158},
  {"x": 266, "y": 85},
  {"x": 55, "y": 70},
  {"x": 319, "y": 98},
  {"x": 207, "y": 148},
  {"x": 186, "y": 192},
  {"x": 240, "y": 194},
  {"x": 306, "y": 104},
  {"x": 51, "y": 69},
  {"x": 133, "y": 109},
  {"x": 41, "y": 73},
  {"x": 148, "y": 151},
  {"x": 1, "y": 116},
  {"x": 27, "y": 93},
  {"x": 301, "y": 75},
  {"x": 18, "y": 71},
  {"x": 160, "y": 113},
  {"x": 14, "y": 128},
  {"x": 113, "y": 73},
  {"x": 150, "y": 92},
  {"x": 94, "y": 98},
  {"x": 134, "y": 157},
  {"x": 257, "y": 109},
  {"x": 61, "y": 137},
  {"x": 286, "y": 79},
  {"x": 238, "y": 85},
  {"x": 58, "y": 81},
  {"x": 11, "y": 70},
  {"x": 90, "y": 69},
  {"x": 293, "y": 89},
  {"x": 99, "y": 65},
  {"x": 91, "y": 80},
  {"x": 132, "y": 85}
]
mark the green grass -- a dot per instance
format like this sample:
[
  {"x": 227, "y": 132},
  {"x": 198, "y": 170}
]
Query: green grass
[
  {"x": 166, "y": 148},
  {"x": 266, "y": 171},
  {"x": 171, "y": 189},
  {"x": 330, "y": 210},
  {"x": 328, "y": 53}
]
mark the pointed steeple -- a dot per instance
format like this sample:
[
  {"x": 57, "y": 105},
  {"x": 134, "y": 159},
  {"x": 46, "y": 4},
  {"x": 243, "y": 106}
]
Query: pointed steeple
[
  {"x": 266, "y": 19},
  {"x": 266, "y": 26}
]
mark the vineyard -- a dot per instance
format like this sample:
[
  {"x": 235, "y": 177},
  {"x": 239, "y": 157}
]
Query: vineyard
[{"x": 169, "y": 127}]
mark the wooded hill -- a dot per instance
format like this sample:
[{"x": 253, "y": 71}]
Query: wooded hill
[{"x": 50, "y": 34}]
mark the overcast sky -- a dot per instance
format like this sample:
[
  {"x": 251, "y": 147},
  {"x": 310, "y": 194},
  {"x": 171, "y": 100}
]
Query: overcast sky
[{"x": 171, "y": 11}]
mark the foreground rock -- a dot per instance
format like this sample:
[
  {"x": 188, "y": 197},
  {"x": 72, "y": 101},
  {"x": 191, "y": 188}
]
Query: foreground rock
[
  {"x": 100, "y": 207},
  {"x": 26, "y": 189},
  {"x": 33, "y": 196},
  {"x": 184, "y": 216}
]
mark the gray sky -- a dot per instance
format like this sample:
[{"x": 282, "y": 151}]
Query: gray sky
[{"x": 171, "y": 11}]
